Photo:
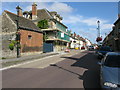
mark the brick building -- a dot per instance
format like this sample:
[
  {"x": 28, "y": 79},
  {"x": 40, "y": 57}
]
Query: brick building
[
  {"x": 57, "y": 33},
  {"x": 31, "y": 38},
  {"x": 113, "y": 38},
  {"x": 117, "y": 34}
]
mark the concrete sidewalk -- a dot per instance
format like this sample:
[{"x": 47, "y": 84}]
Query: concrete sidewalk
[
  {"x": 31, "y": 57},
  {"x": 41, "y": 58},
  {"x": 36, "y": 56}
]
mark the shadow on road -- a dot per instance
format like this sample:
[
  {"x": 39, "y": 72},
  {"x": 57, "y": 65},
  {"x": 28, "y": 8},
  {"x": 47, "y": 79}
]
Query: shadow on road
[
  {"x": 91, "y": 77},
  {"x": 65, "y": 69}
]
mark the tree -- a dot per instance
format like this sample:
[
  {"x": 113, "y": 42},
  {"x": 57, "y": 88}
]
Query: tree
[{"x": 43, "y": 24}]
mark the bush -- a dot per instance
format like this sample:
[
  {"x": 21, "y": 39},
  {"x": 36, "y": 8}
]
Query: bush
[
  {"x": 11, "y": 46},
  {"x": 43, "y": 24},
  {"x": 3, "y": 58},
  {"x": 14, "y": 42}
]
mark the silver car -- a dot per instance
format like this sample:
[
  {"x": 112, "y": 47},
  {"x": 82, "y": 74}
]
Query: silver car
[{"x": 110, "y": 71}]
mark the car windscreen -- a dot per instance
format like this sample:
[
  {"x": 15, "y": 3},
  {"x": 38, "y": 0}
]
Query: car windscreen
[
  {"x": 105, "y": 49},
  {"x": 112, "y": 61}
]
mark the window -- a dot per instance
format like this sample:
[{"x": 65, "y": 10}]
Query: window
[
  {"x": 112, "y": 61},
  {"x": 119, "y": 30},
  {"x": 66, "y": 30},
  {"x": 29, "y": 37},
  {"x": 62, "y": 35},
  {"x": 105, "y": 49}
]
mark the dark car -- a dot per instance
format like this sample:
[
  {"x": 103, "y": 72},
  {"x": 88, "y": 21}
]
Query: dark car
[
  {"x": 101, "y": 52},
  {"x": 91, "y": 48},
  {"x": 110, "y": 71}
]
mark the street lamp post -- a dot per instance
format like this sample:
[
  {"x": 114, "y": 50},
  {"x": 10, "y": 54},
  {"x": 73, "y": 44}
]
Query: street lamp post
[
  {"x": 98, "y": 36},
  {"x": 18, "y": 34},
  {"x": 98, "y": 28}
]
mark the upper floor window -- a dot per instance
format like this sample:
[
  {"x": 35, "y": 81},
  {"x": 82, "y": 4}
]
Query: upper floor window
[
  {"x": 66, "y": 30},
  {"x": 54, "y": 17},
  {"x": 62, "y": 35}
]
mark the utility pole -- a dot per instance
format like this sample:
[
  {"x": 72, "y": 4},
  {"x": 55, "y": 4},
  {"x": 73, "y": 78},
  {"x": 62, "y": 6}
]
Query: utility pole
[{"x": 18, "y": 33}]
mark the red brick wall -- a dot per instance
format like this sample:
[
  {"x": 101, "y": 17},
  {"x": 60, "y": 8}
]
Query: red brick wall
[{"x": 33, "y": 44}]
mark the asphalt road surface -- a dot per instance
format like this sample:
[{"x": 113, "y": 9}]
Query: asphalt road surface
[{"x": 78, "y": 71}]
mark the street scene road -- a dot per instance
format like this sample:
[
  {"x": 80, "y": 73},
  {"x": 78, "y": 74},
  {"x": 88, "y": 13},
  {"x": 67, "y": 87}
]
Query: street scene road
[
  {"x": 60, "y": 45},
  {"x": 73, "y": 70}
]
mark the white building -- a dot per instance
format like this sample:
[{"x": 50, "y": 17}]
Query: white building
[
  {"x": 72, "y": 44},
  {"x": 88, "y": 42}
]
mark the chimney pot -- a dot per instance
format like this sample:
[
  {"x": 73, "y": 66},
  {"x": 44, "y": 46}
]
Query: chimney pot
[{"x": 19, "y": 11}]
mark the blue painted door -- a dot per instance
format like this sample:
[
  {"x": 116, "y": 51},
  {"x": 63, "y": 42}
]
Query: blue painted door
[{"x": 47, "y": 47}]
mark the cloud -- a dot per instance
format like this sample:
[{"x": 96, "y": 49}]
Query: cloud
[
  {"x": 88, "y": 34},
  {"x": 106, "y": 26},
  {"x": 61, "y": 8},
  {"x": 91, "y": 21},
  {"x": 73, "y": 19},
  {"x": 92, "y": 29}
]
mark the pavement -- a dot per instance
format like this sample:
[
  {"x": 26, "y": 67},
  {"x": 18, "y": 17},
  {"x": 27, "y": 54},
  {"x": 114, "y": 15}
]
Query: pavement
[
  {"x": 46, "y": 61},
  {"x": 31, "y": 57}
]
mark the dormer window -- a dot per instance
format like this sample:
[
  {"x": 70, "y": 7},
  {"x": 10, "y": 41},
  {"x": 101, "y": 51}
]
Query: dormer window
[{"x": 54, "y": 17}]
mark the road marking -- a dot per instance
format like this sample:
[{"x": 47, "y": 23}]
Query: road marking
[{"x": 26, "y": 62}]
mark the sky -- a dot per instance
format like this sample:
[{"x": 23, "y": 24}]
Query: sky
[{"x": 80, "y": 17}]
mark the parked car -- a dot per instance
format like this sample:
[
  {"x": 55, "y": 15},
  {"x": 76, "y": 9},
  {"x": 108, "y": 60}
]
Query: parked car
[
  {"x": 110, "y": 71},
  {"x": 82, "y": 47},
  {"x": 67, "y": 50},
  {"x": 101, "y": 52},
  {"x": 90, "y": 47}
]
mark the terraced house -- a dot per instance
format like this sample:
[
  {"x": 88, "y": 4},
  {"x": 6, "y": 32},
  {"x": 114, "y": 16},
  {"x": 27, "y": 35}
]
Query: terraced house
[
  {"x": 30, "y": 37},
  {"x": 56, "y": 33}
]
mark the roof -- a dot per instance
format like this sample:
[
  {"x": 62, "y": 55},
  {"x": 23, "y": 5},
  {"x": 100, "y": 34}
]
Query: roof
[
  {"x": 23, "y": 22},
  {"x": 59, "y": 22},
  {"x": 118, "y": 20},
  {"x": 113, "y": 53},
  {"x": 43, "y": 14}
]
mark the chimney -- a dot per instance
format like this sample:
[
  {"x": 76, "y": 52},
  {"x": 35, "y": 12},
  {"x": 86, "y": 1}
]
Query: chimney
[
  {"x": 19, "y": 11},
  {"x": 34, "y": 11}
]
